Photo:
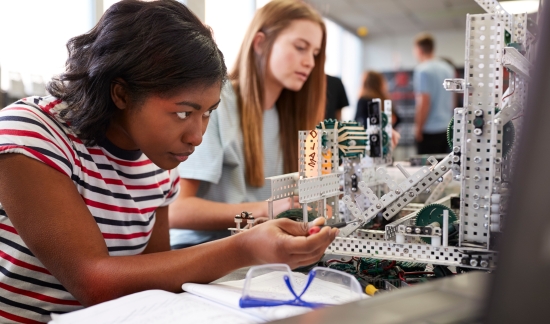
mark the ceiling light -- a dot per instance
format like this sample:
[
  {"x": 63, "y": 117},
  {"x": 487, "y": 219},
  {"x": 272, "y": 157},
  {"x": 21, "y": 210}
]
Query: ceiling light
[{"x": 517, "y": 7}]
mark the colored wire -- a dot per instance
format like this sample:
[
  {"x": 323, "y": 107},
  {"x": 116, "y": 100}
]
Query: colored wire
[{"x": 513, "y": 90}]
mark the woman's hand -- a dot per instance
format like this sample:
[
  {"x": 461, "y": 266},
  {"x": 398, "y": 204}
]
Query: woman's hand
[
  {"x": 282, "y": 205},
  {"x": 286, "y": 241}
]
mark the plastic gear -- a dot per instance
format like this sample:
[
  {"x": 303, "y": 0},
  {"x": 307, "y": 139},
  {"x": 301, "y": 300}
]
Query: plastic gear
[
  {"x": 450, "y": 130},
  {"x": 384, "y": 120},
  {"x": 331, "y": 124},
  {"x": 434, "y": 213}
]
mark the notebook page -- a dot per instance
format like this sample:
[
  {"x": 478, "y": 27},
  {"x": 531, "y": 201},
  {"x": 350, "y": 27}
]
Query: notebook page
[
  {"x": 269, "y": 285},
  {"x": 156, "y": 307}
]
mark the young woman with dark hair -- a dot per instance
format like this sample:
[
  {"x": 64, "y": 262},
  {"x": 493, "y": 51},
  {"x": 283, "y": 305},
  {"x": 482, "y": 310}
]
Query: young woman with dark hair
[
  {"x": 277, "y": 88},
  {"x": 84, "y": 173}
]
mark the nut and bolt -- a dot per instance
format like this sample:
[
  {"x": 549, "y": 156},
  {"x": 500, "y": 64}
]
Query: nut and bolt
[
  {"x": 478, "y": 112},
  {"x": 478, "y": 131},
  {"x": 456, "y": 149},
  {"x": 477, "y": 159},
  {"x": 456, "y": 158},
  {"x": 477, "y": 178}
]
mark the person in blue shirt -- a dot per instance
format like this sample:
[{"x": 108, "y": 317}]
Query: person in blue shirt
[{"x": 434, "y": 105}]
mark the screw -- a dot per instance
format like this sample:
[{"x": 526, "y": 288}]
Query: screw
[
  {"x": 477, "y": 159},
  {"x": 478, "y": 131},
  {"x": 378, "y": 206},
  {"x": 473, "y": 262},
  {"x": 484, "y": 263},
  {"x": 456, "y": 158},
  {"x": 443, "y": 168},
  {"x": 486, "y": 226},
  {"x": 478, "y": 112},
  {"x": 477, "y": 178},
  {"x": 498, "y": 160},
  {"x": 418, "y": 230},
  {"x": 476, "y": 197},
  {"x": 456, "y": 149},
  {"x": 476, "y": 206},
  {"x": 428, "y": 190},
  {"x": 411, "y": 194},
  {"x": 497, "y": 179},
  {"x": 397, "y": 191},
  {"x": 408, "y": 229}
]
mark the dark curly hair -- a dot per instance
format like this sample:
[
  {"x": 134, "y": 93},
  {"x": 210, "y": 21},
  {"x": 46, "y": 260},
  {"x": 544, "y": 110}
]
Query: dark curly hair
[{"x": 156, "y": 47}]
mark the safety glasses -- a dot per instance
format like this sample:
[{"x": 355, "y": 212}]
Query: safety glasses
[{"x": 276, "y": 285}]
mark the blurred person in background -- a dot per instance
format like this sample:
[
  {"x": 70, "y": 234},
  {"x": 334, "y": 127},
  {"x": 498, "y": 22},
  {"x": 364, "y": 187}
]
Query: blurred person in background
[
  {"x": 434, "y": 105},
  {"x": 375, "y": 86},
  {"x": 336, "y": 98}
]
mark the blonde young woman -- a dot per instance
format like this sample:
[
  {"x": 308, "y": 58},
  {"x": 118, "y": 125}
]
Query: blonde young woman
[{"x": 277, "y": 88}]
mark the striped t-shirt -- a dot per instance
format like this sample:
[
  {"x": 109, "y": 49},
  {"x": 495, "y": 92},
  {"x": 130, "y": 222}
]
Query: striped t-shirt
[{"x": 122, "y": 190}]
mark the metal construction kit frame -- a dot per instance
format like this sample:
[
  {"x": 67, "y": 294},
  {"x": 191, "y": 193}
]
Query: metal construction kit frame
[{"x": 482, "y": 156}]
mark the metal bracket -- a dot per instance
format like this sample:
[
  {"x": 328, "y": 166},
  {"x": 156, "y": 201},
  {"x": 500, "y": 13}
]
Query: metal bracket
[{"x": 515, "y": 61}]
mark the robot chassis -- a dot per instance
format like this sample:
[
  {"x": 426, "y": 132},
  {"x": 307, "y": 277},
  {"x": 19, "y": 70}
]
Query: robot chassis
[{"x": 481, "y": 159}]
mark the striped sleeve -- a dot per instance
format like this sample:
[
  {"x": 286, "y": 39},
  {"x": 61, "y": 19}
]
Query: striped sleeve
[
  {"x": 28, "y": 130},
  {"x": 174, "y": 188}
]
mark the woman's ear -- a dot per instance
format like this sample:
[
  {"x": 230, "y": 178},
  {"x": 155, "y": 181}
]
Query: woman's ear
[
  {"x": 258, "y": 43},
  {"x": 119, "y": 94}
]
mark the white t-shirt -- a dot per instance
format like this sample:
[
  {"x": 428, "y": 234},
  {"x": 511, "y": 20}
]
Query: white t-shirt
[{"x": 220, "y": 166}]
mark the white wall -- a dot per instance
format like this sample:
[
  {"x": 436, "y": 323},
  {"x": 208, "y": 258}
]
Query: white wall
[
  {"x": 391, "y": 53},
  {"x": 344, "y": 60},
  {"x": 33, "y": 34}
]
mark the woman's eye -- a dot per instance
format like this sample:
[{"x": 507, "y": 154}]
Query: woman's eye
[
  {"x": 300, "y": 48},
  {"x": 183, "y": 115}
]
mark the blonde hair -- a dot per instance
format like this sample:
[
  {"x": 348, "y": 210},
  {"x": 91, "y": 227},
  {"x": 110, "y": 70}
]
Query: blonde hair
[{"x": 300, "y": 110}]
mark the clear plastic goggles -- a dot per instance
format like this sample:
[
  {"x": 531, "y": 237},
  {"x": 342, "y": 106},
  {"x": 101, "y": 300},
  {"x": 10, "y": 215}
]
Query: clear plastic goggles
[{"x": 276, "y": 285}]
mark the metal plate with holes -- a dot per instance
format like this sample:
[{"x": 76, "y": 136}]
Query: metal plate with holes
[
  {"x": 424, "y": 253},
  {"x": 515, "y": 61},
  {"x": 308, "y": 153},
  {"x": 438, "y": 171},
  {"x": 484, "y": 48},
  {"x": 283, "y": 186},
  {"x": 313, "y": 189}
]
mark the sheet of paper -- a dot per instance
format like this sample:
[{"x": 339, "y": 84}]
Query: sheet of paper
[
  {"x": 157, "y": 307},
  {"x": 268, "y": 286}
]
